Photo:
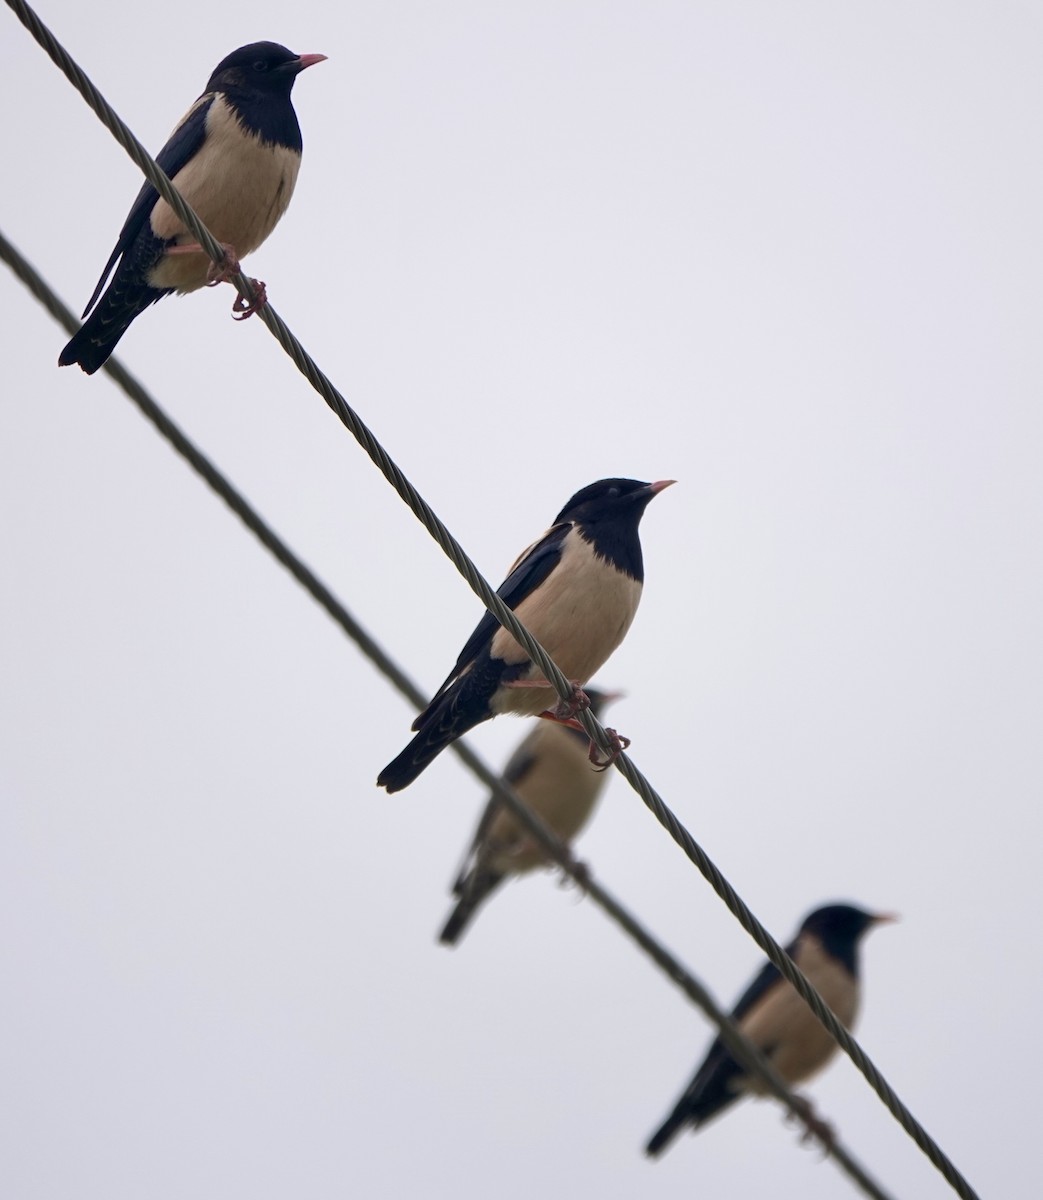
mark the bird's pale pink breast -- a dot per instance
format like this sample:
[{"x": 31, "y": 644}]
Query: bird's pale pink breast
[
  {"x": 237, "y": 184},
  {"x": 579, "y": 614}
]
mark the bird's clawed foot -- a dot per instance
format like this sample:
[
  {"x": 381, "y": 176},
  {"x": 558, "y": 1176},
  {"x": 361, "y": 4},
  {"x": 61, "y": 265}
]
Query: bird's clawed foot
[
  {"x": 225, "y": 271},
  {"x": 565, "y": 714},
  {"x": 245, "y": 307},
  {"x": 218, "y": 272},
  {"x": 815, "y": 1128},
  {"x": 565, "y": 710},
  {"x": 577, "y": 702},
  {"x": 617, "y": 743}
]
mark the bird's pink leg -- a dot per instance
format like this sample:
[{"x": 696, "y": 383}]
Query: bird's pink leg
[
  {"x": 577, "y": 702},
  {"x": 192, "y": 248},
  {"x": 224, "y": 272},
  {"x": 568, "y": 722},
  {"x": 221, "y": 272}
]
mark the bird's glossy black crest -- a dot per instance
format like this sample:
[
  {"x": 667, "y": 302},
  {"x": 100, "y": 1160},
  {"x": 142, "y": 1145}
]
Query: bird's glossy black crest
[
  {"x": 256, "y": 65},
  {"x": 840, "y": 927},
  {"x": 257, "y": 80},
  {"x": 608, "y": 513},
  {"x": 604, "y": 498}
]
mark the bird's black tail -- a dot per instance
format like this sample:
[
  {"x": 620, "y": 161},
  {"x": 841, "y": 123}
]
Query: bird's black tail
[
  {"x": 452, "y": 712},
  {"x": 478, "y": 887},
  {"x": 421, "y": 751},
  {"x": 711, "y": 1092},
  {"x": 97, "y": 337},
  {"x": 666, "y": 1132}
]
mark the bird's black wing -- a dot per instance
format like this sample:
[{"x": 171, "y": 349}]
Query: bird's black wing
[
  {"x": 719, "y": 1066},
  {"x": 182, "y": 145},
  {"x": 712, "y": 1088},
  {"x": 763, "y": 982},
  {"x": 529, "y": 572},
  {"x": 765, "y": 978},
  {"x": 518, "y": 766}
]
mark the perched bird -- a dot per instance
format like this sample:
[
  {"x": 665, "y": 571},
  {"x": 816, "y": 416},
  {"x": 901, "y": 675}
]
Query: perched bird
[
  {"x": 576, "y": 591},
  {"x": 551, "y": 771},
  {"x": 234, "y": 157},
  {"x": 778, "y": 1022}
]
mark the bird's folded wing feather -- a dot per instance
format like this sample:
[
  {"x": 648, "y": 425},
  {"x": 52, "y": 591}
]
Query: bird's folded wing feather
[
  {"x": 763, "y": 982},
  {"x": 765, "y": 979},
  {"x": 518, "y": 766},
  {"x": 182, "y": 145},
  {"x": 526, "y": 576}
]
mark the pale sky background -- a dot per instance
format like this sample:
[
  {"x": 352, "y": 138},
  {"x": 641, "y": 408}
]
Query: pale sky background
[{"x": 787, "y": 254}]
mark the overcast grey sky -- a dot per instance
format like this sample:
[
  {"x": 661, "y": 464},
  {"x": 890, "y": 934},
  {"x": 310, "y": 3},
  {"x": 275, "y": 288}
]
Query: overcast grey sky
[{"x": 786, "y": 254}]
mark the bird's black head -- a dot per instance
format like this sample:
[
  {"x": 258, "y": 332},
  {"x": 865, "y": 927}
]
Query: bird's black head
[
  {"x": 608, "y": 513},
  {"x": 257, "y": 80},
  {"x": 840, "y": 927}
]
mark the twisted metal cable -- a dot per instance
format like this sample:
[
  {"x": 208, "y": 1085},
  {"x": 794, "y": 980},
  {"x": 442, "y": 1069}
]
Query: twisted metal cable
[
  {"x": 454, "y": 551},
  {"x": 141, "y": 158},
  {"x": 743, "y": 1050}
]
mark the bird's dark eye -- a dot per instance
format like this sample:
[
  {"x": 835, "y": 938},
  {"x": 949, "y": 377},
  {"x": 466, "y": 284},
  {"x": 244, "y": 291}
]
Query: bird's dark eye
[{"x": 260, "y": 65}]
